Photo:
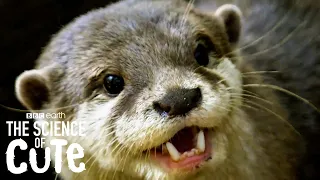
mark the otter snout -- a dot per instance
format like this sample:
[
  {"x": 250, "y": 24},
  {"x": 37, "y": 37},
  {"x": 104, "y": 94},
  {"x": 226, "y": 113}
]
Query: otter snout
[{"x": 178, "y": 101}]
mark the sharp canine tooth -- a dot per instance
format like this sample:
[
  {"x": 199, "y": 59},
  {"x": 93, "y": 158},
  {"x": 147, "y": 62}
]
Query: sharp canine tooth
[
  {"x": 201, "y": 144},
  {"x": 174, "y": 153}
]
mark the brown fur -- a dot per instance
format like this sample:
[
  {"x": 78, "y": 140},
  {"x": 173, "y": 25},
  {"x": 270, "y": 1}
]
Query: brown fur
[{"x": 144, "y": 43}]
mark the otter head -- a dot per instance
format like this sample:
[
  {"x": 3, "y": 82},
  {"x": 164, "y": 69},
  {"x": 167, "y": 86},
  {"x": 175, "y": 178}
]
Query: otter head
[{"x": 157, "y": 85}]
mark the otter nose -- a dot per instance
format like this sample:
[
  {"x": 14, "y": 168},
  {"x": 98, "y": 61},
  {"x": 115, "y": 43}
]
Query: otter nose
[{"x": 178, "y": 101}]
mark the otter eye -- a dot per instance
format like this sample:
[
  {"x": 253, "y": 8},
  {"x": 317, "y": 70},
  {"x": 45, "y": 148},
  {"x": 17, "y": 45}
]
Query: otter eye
[
  {"x": 204, "y": 50},
  {"x": 113, "y": 84},
  {"x": 201, "y": 54}
]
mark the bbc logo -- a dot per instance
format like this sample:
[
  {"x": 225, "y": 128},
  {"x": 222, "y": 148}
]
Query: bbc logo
[{"x": 34, "y": 115}]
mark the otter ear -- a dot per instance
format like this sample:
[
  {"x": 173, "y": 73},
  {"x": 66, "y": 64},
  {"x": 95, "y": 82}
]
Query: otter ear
[
  {"x": 32, "y": 88},
  {"x": 231, "y": 17}
]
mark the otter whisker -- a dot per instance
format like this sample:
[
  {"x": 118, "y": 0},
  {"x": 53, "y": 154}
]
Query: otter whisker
[
  {"x": 245, "y": 100},
  {"x": 123, "y": 149},
  {"x": 247, "y": 95},
  {"x": 266, "y": 75},
  {"x": 147, "y": 155},
  {"x": 125, "y": 159},
  {"x": 246, "y": 92},
  {"x": 252, "y": 93},
  {"x": 283, "y": 41},
  {"x": 44, "y": 109},
  {"x": 310, "y": 39},
  {"x": 95, "y": 159},
  {"x": 285, "y": 91},
  {"x": 193, "y": 71},
  {"x": 222, "y": 80},
  {"x": 279, "y": 23},
  {"x": 92, "y": 156},
  {"x": 259, "y": 72},
  {"x": 120, "y": 151},
  {"x": 250, "y": 107},
  {"x": 224, "y": 108},
  {"x": 57, "y": 174},
  {"x": 183, "y": 20},
  {"x": 117, "y": 146},
  {"x": 41, "y": 110},
  {"x": 275, "y": 114},
  {"x": 186, "y": 13},
  {"x": 232, "y": 104},
  {"x": 238, "y": 139}
]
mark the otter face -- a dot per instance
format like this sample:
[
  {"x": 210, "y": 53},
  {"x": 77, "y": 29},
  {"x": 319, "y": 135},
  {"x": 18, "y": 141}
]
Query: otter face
[{"x": 155, "y": 85}]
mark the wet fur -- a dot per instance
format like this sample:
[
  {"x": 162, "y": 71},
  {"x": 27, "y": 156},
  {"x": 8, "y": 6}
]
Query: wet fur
[{"x": 250, "y": 142}]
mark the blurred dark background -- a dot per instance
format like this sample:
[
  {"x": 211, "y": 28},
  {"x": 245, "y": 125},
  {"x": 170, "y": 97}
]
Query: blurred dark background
[{"x": 26, "y": 27}]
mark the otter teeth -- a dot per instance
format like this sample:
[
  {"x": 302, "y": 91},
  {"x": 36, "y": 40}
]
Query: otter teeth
[
  {"x": 201, "y": 144},
  {"x": 174, "y": 153}
]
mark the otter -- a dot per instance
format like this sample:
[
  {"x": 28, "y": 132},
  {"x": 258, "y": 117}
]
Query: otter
[{"x": 166, "y": 92}]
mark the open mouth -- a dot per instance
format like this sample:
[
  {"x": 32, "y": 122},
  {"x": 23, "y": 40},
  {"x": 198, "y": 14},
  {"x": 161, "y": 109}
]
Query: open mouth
[{"x": 187, "y": 149}]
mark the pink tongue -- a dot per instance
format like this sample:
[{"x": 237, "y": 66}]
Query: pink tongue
[{"x": 188, "y": 163}]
